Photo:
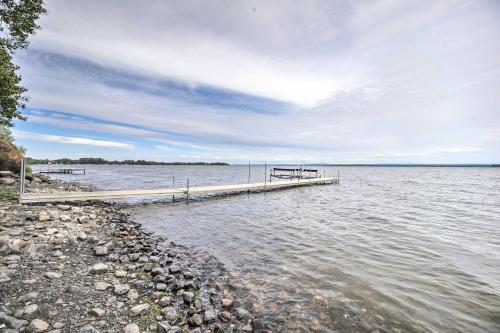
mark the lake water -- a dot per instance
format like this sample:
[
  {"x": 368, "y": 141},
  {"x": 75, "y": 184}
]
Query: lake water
[{"x": 391, "y": 249}]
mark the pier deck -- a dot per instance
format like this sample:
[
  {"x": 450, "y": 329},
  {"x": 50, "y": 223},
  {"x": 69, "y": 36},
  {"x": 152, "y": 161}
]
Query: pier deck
[
  {"x": 69, "y": 171},
  {"x": 168, "y": 192}
]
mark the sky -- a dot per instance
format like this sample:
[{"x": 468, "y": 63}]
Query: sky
[{"x": 265, "y": 81}]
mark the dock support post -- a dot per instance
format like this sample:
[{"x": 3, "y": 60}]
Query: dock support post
[
  {"x": 21, "y": 179},
  {"x": 187, "y": 193},
  {"x": 248, "y": 191},
  {"x": 265, "y": 176},
  {"x": 173, "y": 186},
  {"x": 338, "y": 176}
]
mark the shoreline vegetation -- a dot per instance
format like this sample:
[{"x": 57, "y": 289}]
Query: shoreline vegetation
[{"x": 101, "y": 161}]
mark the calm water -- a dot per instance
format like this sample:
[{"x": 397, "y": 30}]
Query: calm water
[{"x": 393, "y": 249}]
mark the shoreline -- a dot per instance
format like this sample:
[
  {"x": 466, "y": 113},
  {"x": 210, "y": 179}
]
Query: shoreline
[{"x": 86, "y": 267}]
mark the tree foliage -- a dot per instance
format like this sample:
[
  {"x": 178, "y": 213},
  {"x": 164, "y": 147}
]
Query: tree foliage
[{"x": 17, "y": 22}]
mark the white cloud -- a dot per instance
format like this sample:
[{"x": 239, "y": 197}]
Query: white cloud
[
  {"x": 373, "y": 79},
  {"x": 71, "y": 140}
]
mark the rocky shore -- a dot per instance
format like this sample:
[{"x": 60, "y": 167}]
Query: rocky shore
[{"x": 89, "y": 268}]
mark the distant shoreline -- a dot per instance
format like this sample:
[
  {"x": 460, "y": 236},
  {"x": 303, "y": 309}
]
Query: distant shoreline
[{"x": 101, "y": 161}]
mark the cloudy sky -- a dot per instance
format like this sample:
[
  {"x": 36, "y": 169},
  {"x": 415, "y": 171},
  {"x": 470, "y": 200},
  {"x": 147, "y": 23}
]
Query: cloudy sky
[{"x": 265, "y": 81}]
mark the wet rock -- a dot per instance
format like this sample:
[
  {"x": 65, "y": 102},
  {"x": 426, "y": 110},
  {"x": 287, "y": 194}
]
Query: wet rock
[
  {"x": 138, "y": 309},
  {"x": 37, "y": 325},
  {"x": 6, "y": 173}
]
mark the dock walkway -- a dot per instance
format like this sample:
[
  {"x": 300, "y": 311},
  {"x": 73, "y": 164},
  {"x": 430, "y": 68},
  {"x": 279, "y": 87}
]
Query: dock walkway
[{"x": 169, "y": 192}]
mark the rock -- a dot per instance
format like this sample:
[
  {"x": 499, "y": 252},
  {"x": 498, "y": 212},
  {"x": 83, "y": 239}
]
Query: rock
[
  {"x": 120, "y": 274},
  {"x": 101, "y": 285},
  {"x": 64, "y": 207},
  {"x": 101, "y": 251},
  {"x": 64, "y": 218},
  {"x": 225, "y": 316},
  {"x": 138, "y": 309},
  {"x": 132, "y": 295},
  {"x": 161, "y": 286},
  {"x": 163, "y": 327},
  {"x": 131, "y": 328},
  {"x": 11, "y": 321},
  {"x": 164, "y": 301},
  {"x": 30, "y": 309},
  {"x": 210, "y": 315},
  {"x": 195, "y": 320},
  {"x": 97, "y": 312},
  {"x": 7, "y": 181},
  {"x": 227, "y": 302},
  {"x": 188, "y": 296},
  {"x": 148, "y": 267},
  {"x": 170, "y": 313},
  {"x": 52, "y": 275},
  {"x": 196, "y": 330},
  {"x": 88, "y": 329},
  {"x": 6, "y": 174},
  {"x": 121, "y": 289},
  {"x": 175, "y": 269},
  {"x": 58, "y": 325},
  {"x": 242, "y": 313},
  {"x": 37, "y": 325},
  {"x": 43, "y": 216},
  {"x": 98, "y": 268},
  {"x": 157, "y": 271},
  {"x": 188, "y": 275}
]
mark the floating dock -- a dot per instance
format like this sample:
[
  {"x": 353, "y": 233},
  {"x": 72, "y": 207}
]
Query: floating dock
[
  {"x": 69, "y": 171},
  {"x": 170, "y": 192}
]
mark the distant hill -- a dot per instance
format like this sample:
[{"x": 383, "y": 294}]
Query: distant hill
[{"x": 92, "y": 160}]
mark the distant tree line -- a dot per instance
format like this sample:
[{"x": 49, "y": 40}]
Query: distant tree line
[{"x": 94, "y": 160}]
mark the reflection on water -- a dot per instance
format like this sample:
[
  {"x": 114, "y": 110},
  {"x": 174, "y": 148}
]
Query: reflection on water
[{"x": 393, "y": 249}]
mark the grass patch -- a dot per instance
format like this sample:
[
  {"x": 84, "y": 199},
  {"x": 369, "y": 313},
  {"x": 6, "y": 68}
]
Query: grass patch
[
  {"x": 144, "y": 275},
  {"x": 149, "y": 318},
  {"x": 8, "y": 193}
]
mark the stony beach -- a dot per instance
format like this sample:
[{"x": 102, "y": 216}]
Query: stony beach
[{"x": 86, "y": 267}]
